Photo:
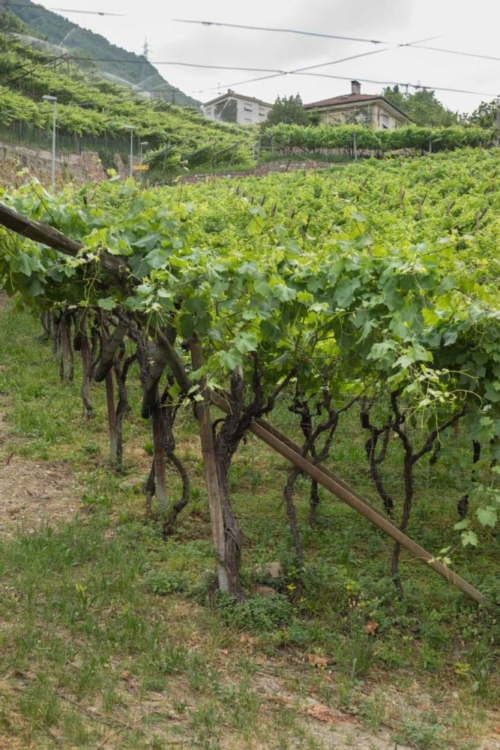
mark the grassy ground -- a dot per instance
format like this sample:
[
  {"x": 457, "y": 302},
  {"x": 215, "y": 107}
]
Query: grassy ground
[{"x": 108, "y": 638}]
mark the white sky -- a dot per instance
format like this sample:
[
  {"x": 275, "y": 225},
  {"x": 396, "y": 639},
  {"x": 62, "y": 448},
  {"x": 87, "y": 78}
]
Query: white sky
[{"x": 460, "y": 24}]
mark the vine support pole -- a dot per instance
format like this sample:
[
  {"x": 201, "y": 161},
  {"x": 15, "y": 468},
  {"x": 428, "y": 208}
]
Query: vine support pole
[
  {"x": 159, "y": 458},
  {"x": 110, "y": 400},
  {"x": 202, "y": 409}
]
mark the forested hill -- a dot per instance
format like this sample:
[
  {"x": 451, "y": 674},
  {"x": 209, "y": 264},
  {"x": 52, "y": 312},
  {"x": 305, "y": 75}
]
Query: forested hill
[{"x": 53, "y": 28}]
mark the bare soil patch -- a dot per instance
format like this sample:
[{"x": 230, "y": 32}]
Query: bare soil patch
[{"x": 34, "y": 493}]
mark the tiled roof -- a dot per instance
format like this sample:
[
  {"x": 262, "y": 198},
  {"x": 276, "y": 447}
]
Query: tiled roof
[
  {"x": 337, "y": 101},
  {"x": 346, "y": 99}
]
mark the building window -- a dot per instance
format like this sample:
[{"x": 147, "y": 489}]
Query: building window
[
  {"x": 248, "y": 119},
  {"x": 248, "y": 109}
]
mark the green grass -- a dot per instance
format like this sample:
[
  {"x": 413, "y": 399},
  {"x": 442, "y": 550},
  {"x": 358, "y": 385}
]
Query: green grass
[{"x": 108, "y": 637}]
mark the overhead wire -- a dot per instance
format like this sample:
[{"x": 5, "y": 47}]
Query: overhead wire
[
  {"x": 177, "y": 63},
  {"x": 8, "y": 4},
  {"x": 417, "y": 86},
  {"x": 416, "y": 45},
  {"x": 282, "y": 31},
  {"x": 459, "y": 53},
  {"x": 304, "y": 70}
]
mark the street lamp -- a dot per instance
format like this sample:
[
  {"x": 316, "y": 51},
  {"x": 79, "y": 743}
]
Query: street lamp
[
  {"x": 143, "y": 143},
  {"x": 53, "y": 99},
  {"x": 130, "y": 127}
]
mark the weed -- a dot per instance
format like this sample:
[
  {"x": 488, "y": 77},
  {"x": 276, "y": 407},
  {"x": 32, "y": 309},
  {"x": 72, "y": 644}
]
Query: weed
[
  {"x": 373, "y": 711},
  {"x": 421, "y": 735},
  {"x": 163, "y": 583},
  {"x": 258, "y": 613}
]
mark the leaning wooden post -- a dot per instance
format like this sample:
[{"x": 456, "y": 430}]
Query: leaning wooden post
[
  {"x": 202, "y": 409},
  {"x": 317, "y": 473}
]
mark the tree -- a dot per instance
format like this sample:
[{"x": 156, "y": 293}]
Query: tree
[
  {"x": 422, "y": 107},
  {"x": 289, "y": 110},
  {"x": 9, "y": 23},
  {"x": 485, "y": 116}
]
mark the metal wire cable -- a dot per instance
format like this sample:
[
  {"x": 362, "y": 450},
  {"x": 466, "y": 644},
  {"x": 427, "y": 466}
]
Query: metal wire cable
[
  {"x": 282, "y": 31},
  {"x": 338, "y": 37},
  {"x": 8, "y": 4}
]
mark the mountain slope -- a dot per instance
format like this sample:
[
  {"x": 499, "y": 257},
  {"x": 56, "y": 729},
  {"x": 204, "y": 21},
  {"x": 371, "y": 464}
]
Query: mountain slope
[{"x": 57, "y": 30}]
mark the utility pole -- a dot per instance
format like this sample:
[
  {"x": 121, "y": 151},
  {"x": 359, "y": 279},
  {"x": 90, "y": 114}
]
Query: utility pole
[
  {"x": 130, "y": 127},
  {"x": 145, "y": 55},
  {"x": 53, "y": 99}
]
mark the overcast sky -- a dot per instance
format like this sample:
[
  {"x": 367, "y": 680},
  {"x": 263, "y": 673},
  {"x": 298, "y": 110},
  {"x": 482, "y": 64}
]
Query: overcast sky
[{"x": 460, "y": 24}]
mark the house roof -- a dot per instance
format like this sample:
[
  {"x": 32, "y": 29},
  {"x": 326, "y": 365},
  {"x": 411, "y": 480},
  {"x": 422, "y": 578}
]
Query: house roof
[
  {"x": 339, "y": 101},
  {"x": 233, "y": 95}
]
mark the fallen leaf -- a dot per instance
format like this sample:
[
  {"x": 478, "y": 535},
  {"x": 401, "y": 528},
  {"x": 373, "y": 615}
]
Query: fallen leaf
[
  {"x": 225, "y": 651},
  {"x": 371, "y": 627},
  {"x": 316, "y": 660},
  {"x": 126, "y": 675},
  {"x": 320, "y": 713}
]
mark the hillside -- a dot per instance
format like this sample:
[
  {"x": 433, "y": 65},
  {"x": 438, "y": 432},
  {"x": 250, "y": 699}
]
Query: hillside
[
  {"x": 93, "y": 113},
  {"x": 45, "y": 24}
]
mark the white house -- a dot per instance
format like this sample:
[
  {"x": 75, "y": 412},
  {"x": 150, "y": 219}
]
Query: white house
[
  {"x": 232, "y": 107},
  {"x": 366, "y": 109}
]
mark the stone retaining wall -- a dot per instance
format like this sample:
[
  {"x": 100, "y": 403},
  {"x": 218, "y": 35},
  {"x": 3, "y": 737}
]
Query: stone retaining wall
[{"x": 80, "y": 168}]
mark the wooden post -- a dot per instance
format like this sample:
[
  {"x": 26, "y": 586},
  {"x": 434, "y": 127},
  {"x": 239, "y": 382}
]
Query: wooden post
[
  {"x": 86, "y": 371},
  {"x": 67, "y": 360},
  {"x": 159, "y": 458},
  {"x": 202, "y": 410},
  {"x": 110, "y": 399}
]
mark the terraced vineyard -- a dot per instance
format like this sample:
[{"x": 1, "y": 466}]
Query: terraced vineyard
[{"x": 90, "y": 107}]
